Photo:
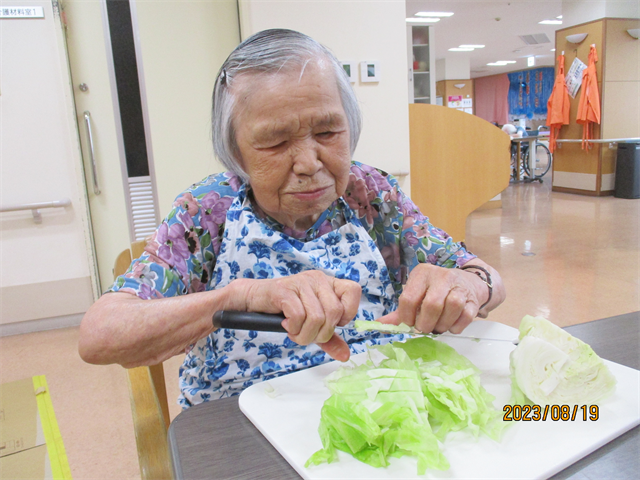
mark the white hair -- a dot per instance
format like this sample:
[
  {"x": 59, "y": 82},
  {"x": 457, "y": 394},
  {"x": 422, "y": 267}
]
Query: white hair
[
  {"x": 509, "y": 129},
  {"x": 271, "y": 51}
]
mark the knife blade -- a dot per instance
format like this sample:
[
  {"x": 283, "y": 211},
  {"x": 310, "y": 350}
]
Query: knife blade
[{"x": 272, "y": 322}]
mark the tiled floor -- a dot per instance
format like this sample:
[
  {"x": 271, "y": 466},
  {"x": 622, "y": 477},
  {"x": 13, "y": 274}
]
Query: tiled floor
[
  {"x": 568, "y": 258},
  {"x": 582, "y": 262}
]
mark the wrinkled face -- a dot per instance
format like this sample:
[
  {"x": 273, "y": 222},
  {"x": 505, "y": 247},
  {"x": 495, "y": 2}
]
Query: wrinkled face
[{"x": 293, "y": 137}]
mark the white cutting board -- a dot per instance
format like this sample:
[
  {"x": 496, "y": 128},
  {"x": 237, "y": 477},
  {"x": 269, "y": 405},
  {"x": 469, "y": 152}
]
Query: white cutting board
[{"x": 289, "y": 417}]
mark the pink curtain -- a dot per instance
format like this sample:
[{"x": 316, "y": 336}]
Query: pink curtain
[{"x": 491, "y": 97}]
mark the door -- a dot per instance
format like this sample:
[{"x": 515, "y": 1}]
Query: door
[
  {"x": 46, "y": 275},
  {"x": 88, "y": 58},
  {"x": 178, "y": 48}
]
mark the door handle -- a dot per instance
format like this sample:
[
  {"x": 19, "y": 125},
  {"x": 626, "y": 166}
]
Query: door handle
[{"x": 94, "y": 168}]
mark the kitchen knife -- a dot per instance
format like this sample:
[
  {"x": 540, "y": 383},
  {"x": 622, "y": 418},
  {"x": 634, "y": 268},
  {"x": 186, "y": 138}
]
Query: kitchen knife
[{"x": 272, "y": 322}]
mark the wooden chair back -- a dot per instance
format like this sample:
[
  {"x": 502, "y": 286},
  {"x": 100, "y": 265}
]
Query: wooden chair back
[{"x": 148, "y": 396}]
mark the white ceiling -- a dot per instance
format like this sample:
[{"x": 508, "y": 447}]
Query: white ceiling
[{"x": 495, "y": 24}]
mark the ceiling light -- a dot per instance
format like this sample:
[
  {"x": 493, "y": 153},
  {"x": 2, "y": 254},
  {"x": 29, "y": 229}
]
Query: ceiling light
[
  {"x": 460, "y": 49},
  {"x": 433, "y": 14},
  {"x": 501, "y": 62},
  {"x": 559, "y": 17},
  {"x": 471, "y": 46},
  {"x": 551, "y": 22},
  {"x": 422, "y": 20},
  {"x": 553, "y": 49},
  {"x": 634, "y": 32}
]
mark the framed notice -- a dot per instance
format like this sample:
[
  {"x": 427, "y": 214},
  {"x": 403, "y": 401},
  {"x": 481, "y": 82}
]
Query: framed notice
[
  {"x": 370, "y": 71},
  {"x": 349, "y": 67}
]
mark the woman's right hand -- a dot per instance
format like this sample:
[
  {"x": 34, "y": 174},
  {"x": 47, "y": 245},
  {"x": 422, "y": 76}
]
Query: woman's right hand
[{"x": 313, "y": 304}]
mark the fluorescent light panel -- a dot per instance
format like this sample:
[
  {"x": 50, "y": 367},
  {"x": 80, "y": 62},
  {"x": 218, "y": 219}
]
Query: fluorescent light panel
[
  {"x": 433, "y": 14},
  {"x": 501, "y": 63},
  {"x": 550, "y": 22},
  {"x": 461, "y": 49},
  {"x": 422, "y": 20}
]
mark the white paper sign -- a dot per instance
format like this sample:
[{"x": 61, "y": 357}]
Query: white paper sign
[
  {"x": 21, "y": 12},
  {"x": 574, "y": 77}
]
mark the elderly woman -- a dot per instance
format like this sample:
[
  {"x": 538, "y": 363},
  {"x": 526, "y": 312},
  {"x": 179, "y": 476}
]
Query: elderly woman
[{"x": 293, "y": 227}]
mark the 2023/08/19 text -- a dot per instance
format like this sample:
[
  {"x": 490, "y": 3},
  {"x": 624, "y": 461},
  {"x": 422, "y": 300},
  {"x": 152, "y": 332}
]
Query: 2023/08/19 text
[{"x": 564, "y": 413}]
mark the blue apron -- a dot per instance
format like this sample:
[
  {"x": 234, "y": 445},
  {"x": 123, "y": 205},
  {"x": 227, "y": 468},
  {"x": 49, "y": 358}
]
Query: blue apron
[{"x": 228, "y": 361}]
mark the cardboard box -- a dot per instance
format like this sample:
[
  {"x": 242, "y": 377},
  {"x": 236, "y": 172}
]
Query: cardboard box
[{"x": 30, "y": 441}]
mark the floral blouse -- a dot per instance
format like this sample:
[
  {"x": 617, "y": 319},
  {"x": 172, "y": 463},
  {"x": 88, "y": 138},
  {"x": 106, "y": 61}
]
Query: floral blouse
[{"x": 181, "y": 255}]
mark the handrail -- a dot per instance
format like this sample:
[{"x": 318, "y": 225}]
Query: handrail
[
  {"x": 529, "y": 139},
  {"x": 599, "y": 140},
  {"x": 35, "y": 207},
  {"x": 610, "y": 141},
  {"x": 92, "y": 155}
]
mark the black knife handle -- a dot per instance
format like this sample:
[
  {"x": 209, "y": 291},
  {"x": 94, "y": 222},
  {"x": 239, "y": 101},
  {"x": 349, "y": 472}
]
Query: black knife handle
[{"x": 262, "y": 322}]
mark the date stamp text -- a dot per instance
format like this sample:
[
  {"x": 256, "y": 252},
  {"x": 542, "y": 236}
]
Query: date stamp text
[{"x": 556, "y": 413}]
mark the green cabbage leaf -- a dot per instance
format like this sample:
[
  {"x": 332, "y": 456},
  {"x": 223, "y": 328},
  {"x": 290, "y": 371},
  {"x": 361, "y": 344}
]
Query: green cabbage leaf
[
  {"x": 368, "y": 325},
  {"x": 404, "y": 405},
  {"x": 551, "y": 367}
]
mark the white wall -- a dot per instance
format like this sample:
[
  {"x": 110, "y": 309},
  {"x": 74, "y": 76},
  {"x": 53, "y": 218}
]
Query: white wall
[
  {"x": 441, "y": 68},
  {"x": 357, "y": 31},
  {"x": 453, "y": 69},
  {"x": 45, "y": 267},
  {"x": 575, "y": 12},
  {"x": 183, "y": 45}
]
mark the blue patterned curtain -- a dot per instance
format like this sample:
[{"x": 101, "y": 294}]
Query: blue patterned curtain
[{"x": 529, "y": 91}]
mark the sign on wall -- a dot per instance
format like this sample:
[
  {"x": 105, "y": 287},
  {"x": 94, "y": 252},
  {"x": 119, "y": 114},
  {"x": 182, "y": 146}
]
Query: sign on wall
[
  {"x": 574, "y": 77},
  {"x": 21, "y": 12},
  {"x": 455, "y": 101}
]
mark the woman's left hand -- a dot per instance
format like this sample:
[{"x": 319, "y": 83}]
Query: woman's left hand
[{"x": 437, "y": 299}]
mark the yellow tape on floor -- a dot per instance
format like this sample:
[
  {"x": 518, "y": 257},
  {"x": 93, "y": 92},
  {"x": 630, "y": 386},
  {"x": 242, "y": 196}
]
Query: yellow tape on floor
[{"x": 55, "y": 447}]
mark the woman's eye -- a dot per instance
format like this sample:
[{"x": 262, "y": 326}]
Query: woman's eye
[
  {"x": 325, "y": 134},
  {"x": 277, "y": 145}
]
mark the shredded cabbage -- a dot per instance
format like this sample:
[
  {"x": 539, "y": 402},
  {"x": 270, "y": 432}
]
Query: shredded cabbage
[
  {"x": 368, "y": 325},
  {"x": 405, "y": 405},
  {"x": 551, "y": 367}
]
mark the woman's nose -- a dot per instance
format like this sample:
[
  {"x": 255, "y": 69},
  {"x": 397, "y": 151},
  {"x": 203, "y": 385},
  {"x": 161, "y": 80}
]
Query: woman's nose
[{"x": 306, "y": 158}]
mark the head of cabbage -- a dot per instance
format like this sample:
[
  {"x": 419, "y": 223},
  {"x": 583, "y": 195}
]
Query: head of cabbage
[{"x": 551, "y": 367}]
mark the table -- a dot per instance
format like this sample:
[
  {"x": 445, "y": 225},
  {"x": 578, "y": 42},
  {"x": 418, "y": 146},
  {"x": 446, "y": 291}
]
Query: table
[{"x": 231, "y": 447}]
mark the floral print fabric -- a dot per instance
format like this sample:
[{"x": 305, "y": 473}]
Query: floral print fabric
[
  {"x": 182, "y": 257},
  {"x": 228, "y": 361}
]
